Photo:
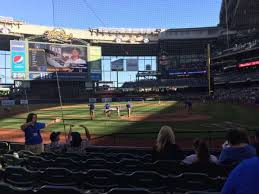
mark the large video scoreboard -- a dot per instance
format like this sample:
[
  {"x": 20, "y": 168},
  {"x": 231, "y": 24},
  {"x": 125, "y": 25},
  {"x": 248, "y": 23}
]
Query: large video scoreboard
[{"x": 37, "y": 60}]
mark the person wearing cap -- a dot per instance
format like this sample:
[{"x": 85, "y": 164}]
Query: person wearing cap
[
  {"x": 129, "y": 106},
  {"x": 75, "y": 143},
  {"x": 107, "y": 110},
  {"x": 55, "y": 145},
  {"x": 91, "y": 109}
]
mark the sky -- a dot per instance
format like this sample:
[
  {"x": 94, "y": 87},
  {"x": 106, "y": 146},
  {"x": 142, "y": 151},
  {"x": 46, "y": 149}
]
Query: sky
[{"x": 115, "y": 13}]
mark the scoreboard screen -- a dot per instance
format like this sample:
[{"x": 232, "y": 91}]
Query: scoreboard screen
[{"x": 47, "y": 59}]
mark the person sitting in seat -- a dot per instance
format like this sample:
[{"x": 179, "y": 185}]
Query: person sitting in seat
[
  {"x": 166, "y": 148},
  {"x": 256, "y": 144},
  {"x": 201, "y": 155},
  {"x": 75, "y": 142},
  {"x": 55, "y": 145},
  {"x": 235, "y": 149}
]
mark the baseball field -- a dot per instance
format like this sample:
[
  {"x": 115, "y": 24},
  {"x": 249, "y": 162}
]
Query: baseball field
[{"x": 208, "y": 120}]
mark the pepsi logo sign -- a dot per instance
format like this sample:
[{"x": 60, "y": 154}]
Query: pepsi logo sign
[{"x": 18, "y": 59}]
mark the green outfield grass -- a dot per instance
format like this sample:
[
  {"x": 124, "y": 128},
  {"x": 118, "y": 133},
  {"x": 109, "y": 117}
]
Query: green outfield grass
[{"x": 222, "y": 116}]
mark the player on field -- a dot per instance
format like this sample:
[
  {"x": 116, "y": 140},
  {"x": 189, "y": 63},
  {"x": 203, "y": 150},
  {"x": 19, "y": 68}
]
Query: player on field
[
  {"x": 107, "y": 110},
  {"x": 188, "y": 105},
  {"x": 129, "y": 106},
  {"x": 91, "y": 109}
]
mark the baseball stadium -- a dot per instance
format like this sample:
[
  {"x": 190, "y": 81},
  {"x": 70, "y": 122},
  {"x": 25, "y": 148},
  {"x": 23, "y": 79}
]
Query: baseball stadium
[{"x": 94, "y": 103}]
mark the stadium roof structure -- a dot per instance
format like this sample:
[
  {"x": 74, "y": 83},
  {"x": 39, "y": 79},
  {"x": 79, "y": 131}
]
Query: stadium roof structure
[{"x": 242, "y": 16}]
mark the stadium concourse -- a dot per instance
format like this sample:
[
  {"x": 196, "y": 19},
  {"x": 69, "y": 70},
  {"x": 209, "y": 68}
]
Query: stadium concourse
[{"x": 129, "y": 110}]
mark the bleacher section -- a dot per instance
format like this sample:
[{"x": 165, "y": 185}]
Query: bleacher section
[
  {"x": 104, "y": 170},
  {"x": 236, "y": 77},
  {"x": 177, "y": 83}
]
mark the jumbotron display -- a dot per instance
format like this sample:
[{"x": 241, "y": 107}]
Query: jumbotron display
[
  {"x": 44, "y": 59},
  {"x": 38, "y": 60}
]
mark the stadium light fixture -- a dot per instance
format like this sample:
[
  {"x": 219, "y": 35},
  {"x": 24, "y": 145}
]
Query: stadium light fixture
[
  {"x": 118, "y": 40},
  {"x": 5, "y": 30},
  {"x": 146, "y": 40}
]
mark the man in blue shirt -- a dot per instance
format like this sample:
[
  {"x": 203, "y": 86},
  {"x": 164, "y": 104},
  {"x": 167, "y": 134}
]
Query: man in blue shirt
[
  {"x": 129, "y": 106},
  {"x": 244, "y": 179},
  {"x": 234, "y": 149},
  {"x": 31, "y": 129},
  {"x": 107, "y": 110},
  {"x": 256, "y": 144}
]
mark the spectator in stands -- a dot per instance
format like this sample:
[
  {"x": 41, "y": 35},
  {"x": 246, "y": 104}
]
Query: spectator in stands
[
  {"x": 244, "y": 136},
  {"x": 166, "y": 148},
  {"x": 55, "y": 145},
  {"x": 75, "y": 141},
  {"x": 32, "y": 129},
  {"x": 234, "y": 149},
  {"x": 201, "y": 155},
  {"x": 256, "y": 144},
  {"x": 244, "y": 178}
]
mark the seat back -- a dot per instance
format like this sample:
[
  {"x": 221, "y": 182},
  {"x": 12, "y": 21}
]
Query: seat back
[
  {"x": 194, "y": 182},
  {"x": 11, "y": 160},
  {"x": 25, "y": 153},
  {"x": 17, "y": 147},
  {"x": 129, "y": 165},
  {"x": 209, "y": 168},
  {"x": 48, "y": 189},
  {"x": 65, "y": 163},
  {"x": 19, "y": 176},
  {"x": 4, "y": 147},
  {"x": 95, "y": 164},
  {"x": 58, "y": 177},
  {"x": 8, "y": 189},
  {"x": 128, "y": 191},
  {"x": 167, "y": 167},
  {"x": 146, "y": 179},
  {"x": 37, "y": 163},
  {"x": 101, "y": 179}
]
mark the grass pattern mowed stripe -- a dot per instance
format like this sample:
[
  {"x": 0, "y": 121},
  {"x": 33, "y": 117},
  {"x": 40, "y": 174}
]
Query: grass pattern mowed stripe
[{"x": 79, "y": 114}]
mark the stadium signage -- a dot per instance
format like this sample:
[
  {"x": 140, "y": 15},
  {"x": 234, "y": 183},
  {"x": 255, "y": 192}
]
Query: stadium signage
[
  {"x": 57, "y": 35},
  {"x": 248, "y": 64},
  {"x": 187, "y": 72},
  {"x": 23, "y": 101},
  {"x": 117, "y": 65},
  {"x": 18, "y": 58},
  {"x": 8, "y": 102},
  {"x": 92, "y": 100},
  {"x": 17, "y": 45}
]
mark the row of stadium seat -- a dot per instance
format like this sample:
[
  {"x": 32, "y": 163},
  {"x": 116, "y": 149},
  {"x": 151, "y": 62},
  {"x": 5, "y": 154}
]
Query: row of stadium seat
[
  {"x": 123, "y": 166},
  {"x": 48, "y": 189},
  {"x": 104, "y": 180},
  {"x": 116, "y": 151},
  {"x": 109, "y": 157}
]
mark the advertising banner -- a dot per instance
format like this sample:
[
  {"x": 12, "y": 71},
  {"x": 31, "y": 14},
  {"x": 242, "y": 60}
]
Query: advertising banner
[
  {"x": 94, "y": 55},
  {"x": 7, "y": 102},
  {"x": 117, "y": 65},
  {"x": 18, "y": 58},
  {"x": 131, "y": 64}
]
